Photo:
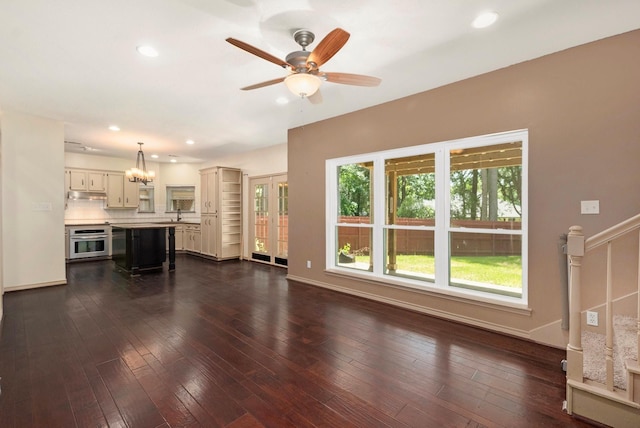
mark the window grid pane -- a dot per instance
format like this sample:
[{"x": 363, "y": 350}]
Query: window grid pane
[
  {"x": 487, "y": 262},
  {"x": 354, "y": 193},
  {"x": 486, "y": 185},
  {"x": 410, "y": 253},
  {"x": 354, "y": 247}
]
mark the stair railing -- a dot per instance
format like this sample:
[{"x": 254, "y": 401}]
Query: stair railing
[{"x": 577, "y": 247}]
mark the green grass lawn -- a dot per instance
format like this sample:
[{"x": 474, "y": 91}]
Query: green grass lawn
[{"x": 497, "y": 270}]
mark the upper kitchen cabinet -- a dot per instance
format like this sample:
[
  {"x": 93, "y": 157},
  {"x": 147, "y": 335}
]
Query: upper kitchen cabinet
[
  {"x": 221, "y": 212},
  {"x": 208, "y": 188},
  {"x": 83, "y": 180},
  {"x": 121, "y": 193}
]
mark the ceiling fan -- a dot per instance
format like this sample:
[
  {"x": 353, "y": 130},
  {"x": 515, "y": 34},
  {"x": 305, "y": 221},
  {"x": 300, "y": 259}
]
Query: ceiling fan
[{"x": 305, "y": 77}]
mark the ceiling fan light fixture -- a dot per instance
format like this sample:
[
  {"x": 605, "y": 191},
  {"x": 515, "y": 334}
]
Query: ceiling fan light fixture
[{"x": 303, "y": 84}]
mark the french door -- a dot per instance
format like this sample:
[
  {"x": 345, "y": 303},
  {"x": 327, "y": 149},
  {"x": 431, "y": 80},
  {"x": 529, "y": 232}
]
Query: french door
[{"x": 269, "y": 219}]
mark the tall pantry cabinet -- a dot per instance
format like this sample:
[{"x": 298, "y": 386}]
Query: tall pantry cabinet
[{"x": 221, "y": 212}]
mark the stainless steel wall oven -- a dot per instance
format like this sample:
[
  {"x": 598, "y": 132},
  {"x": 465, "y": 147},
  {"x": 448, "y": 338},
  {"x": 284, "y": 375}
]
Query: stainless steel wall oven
[{"x": 89, "y": 241}]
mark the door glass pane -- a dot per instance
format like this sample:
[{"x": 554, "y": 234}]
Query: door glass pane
[
  {"x": 261, "y": 218},
  {"x": 283, "y": 220}
]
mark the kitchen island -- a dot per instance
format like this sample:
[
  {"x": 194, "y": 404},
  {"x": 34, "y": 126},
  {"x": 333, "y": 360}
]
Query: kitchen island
[{"x": 140, "y": 247}]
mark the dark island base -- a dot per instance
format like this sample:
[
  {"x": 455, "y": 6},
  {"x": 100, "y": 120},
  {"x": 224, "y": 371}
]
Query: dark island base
[{"x": 142, "y": 248}]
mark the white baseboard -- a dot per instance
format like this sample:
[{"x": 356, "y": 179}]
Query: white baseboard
[{"x": 37, "y": 285}]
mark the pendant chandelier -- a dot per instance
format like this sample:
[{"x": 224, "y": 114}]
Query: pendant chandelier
[{"x": 139, "y": 174}]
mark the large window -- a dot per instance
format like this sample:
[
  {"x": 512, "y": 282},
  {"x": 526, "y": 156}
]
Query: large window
[{"x": 447, "y": 216}]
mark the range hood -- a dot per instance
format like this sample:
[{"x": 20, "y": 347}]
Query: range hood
[{"x": 94, "y": 196}]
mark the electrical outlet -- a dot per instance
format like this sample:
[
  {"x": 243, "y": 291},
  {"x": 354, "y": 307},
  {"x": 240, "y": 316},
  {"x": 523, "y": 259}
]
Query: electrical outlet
[
  {"x": 308, "y": 264},
  {"x": 592, "y": 318}
]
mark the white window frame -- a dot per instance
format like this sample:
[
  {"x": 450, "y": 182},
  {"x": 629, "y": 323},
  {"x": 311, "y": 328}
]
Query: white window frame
[
  {"x": 170, "y": 188},
  {"x": 442, "y": 224}
]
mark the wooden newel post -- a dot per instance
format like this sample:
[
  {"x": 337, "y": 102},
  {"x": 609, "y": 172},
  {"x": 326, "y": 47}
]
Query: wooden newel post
[{"x": 575, "y": 251}]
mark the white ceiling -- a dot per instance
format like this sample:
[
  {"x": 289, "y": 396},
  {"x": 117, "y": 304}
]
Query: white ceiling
[{"x": 76, "y": 61}]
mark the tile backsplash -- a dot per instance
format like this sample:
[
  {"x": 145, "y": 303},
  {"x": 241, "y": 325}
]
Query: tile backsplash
[{"x": 87, "y": 211}]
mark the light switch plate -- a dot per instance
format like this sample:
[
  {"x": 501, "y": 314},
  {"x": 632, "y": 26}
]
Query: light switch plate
[{"x": 590, "y": 207}]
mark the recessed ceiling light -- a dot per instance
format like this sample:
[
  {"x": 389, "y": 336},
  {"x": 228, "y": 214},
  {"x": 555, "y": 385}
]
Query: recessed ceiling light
[
  {"x": 114, "y": 128},
  {"x": 485, "y": 19},
  {"x": 282, "y": 101},
  {"x": 190, "y": 142},
  {"x": 155, "y": 156},
  {"x": 173, "y": 161},
  {"x": 147, "y": 51}
]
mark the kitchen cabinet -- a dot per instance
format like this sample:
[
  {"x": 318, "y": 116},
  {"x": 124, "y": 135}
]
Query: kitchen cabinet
[
  {"x": 121, "y": 193},
  {"x": 208, "y": 189},
  {"x": 207, "y": 234},
  {"x": 142, "y": 246},
  {"x": 221, "y": 212},
  {"x": 192, "y": 238},
  {"x": 83, "y": 180}
]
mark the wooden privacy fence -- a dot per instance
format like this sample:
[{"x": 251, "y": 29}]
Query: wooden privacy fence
[{"x": 421, "y": 242}]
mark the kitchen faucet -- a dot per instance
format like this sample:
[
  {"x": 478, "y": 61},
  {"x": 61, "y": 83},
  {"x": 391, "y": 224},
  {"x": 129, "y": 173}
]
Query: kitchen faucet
[{"x": 179, "y": 212}]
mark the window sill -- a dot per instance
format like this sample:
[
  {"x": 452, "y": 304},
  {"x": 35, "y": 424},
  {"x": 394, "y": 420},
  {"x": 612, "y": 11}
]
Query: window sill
[{"x": 505, "y": 304}]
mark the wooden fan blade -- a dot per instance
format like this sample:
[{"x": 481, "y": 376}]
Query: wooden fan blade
[
  {"x": 351, "y": 79},
  {"x": 316, "y": 98},
  {"x": 258, "y": 52},
  {"x": 263, "y": 84},
  {"x": 328, "y": 47}
]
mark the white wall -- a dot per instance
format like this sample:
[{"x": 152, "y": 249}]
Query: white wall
[
  {"x": 32, "y": 201},
  {"x": 268, "y": 161},
  {"x": 1, "y": 192},
  {"x": 177, "y": 175}
]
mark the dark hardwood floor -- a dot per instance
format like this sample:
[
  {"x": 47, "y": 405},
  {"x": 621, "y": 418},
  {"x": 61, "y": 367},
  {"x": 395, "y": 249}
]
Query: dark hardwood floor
[{"x": 234, "y": 344}]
